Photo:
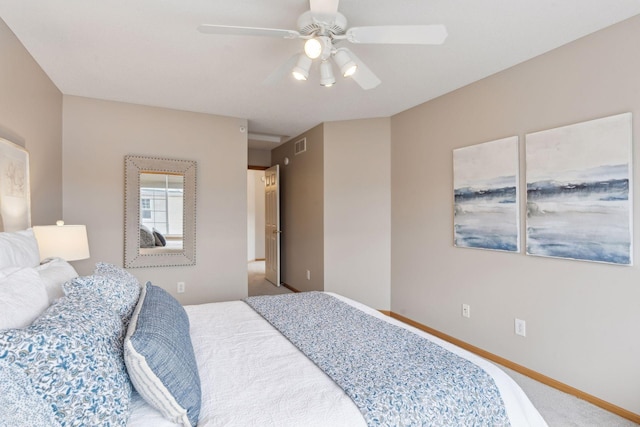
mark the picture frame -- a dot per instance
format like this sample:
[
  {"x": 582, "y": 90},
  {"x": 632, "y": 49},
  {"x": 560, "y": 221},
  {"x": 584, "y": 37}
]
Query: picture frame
[
  {"x": 579, "y": 191},
  {"x": 486, "y": 195},
  {"x": 15, "y": 194}
]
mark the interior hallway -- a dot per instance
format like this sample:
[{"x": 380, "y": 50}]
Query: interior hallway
[{"x": 258, "y": 285}]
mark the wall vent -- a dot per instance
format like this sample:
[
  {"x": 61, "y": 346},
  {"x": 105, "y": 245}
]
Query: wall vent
[{"x": 300, "y": 146}]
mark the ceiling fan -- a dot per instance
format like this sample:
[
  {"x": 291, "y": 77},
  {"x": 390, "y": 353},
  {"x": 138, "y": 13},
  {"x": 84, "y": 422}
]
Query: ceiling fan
[{"x": 323, "y": 27}]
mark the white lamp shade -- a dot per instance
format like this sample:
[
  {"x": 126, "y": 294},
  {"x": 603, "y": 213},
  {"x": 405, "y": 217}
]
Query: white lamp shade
[{"x": 68, "y": 242}]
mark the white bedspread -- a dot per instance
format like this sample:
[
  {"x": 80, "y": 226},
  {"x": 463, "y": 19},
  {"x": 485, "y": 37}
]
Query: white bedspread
[{"x": 252, "y": 376}]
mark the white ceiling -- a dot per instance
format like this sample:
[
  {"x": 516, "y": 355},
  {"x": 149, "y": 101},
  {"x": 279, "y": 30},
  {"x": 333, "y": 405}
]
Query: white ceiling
[{"x": 149, "y": 52}]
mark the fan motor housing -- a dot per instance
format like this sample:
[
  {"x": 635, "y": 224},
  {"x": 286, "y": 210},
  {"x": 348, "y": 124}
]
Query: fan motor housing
[{"x": 308, "y": 24}]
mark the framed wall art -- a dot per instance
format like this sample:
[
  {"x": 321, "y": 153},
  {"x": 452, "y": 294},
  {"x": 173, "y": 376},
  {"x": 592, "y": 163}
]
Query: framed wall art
[
  {"x": 485, "y": 185},
  {"x": 579, "y": 191},
  {"x": 15, "y": 198}
]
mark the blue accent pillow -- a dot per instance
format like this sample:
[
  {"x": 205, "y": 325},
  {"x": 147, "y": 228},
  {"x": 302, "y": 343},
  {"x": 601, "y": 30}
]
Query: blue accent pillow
[{"x": 160, "y": 358}]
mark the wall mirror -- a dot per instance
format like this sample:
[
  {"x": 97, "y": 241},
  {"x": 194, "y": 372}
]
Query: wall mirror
[{"x": 160, "y": 212}]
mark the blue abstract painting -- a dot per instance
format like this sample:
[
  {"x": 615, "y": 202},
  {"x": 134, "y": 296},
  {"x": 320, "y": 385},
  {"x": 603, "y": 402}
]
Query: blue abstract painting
[
  {"x": 485, "y": 185},
  {"x": 579, "y": 191}
]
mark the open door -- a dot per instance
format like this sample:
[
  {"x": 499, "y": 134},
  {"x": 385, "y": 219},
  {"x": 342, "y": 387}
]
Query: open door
[{"x": 272, "y": 224}]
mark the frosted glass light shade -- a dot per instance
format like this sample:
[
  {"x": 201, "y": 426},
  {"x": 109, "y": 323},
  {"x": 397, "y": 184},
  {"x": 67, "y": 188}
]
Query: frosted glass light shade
[
  {"x": 301, "y": 70},
  {"x": 313, "y": 48},
  {"x": 68, "y": 242},
  {"x": 345, "y": 63},
  {"x": 326, "y": 74}
]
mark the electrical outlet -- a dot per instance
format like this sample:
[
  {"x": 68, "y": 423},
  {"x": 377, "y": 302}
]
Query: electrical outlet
[
  {"x": 308, "y": 275},
  {"x": 181, "y": 287},
  {"x": 520, "y": 327},
  {"x": 466, "y": 310}
]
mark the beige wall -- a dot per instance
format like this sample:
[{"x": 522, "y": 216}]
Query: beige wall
[
  {"x": 31, "y": 116},
  {"x": 336, "y": 211},
  {"x": 259, "y": 157},
  {"x": 301, "y": 201},
  {"x": 582, "y": 318},
  {"x": 357, "y": 210},
  {"x": 97, "y": 136}
]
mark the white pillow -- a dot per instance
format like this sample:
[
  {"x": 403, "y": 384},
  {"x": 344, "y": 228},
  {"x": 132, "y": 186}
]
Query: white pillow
[
  {"x": 19, "y": 249},
  {"x": 54, "y": 273},
  {"x": 22, "y": 297}
]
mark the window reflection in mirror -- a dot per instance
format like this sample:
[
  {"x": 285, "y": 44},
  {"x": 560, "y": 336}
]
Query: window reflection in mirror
[
  {"x": 160, "y": 196},
  {"x": 161, "y": 211}
]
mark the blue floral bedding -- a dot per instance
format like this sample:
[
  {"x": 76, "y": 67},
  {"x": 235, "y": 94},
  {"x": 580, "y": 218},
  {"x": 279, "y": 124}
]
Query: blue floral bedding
[
  {"x": 395, "y": 377},
  {"x": 67, "y": 368}
]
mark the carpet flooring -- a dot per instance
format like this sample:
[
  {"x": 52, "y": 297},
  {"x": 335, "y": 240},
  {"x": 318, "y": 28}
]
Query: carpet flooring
[
  {"x": 560, "y": 409},
  {"x": 557, "y": 408},
  {"x": 258, "y": 285}
]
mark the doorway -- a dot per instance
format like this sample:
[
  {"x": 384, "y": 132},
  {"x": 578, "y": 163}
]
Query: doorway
[
  {"x": 256, "y": 239},
  {"x": 255, "y": 229},
  {"x": 255, "y": 215}
]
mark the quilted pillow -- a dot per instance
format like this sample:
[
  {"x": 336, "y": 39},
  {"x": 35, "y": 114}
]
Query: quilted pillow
[
  {"x": 23, "y": 297},
  {"x": 54, "y": 274},
  {"x": 19, "y": 249},
  {"x": 72, "y": 356},
  {"x": 118, "y": 288},
  {"x": 159, "y": 357}
]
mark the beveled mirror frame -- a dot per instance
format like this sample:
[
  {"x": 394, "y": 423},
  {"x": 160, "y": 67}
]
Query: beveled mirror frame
[{"x": 134, "y": 166}]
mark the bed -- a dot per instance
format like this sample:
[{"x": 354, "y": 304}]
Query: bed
[{"x": 105, "y": 350}]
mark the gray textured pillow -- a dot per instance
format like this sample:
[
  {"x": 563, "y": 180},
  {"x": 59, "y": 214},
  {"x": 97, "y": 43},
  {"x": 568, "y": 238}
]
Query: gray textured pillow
[
  {"x": 160, "y": 240},
  {"x": 147, "y": 240}
]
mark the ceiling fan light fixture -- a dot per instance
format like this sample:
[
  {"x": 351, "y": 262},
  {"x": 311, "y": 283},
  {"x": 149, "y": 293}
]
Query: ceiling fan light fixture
[
  {"x": 321, "y": 28},
  {"x": 313, "y": 48},
  {"x": 345, "y": 63},
  {"x": 327, "y": 78},
  {"x": 301, "y": 69},
  {"x": 318, "y": 47}
]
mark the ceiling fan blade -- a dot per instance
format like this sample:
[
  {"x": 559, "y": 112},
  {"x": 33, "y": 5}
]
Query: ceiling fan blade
[
  {"x": 324, "y": 10},
  {"x": 248, "y": 31},
  {"x": 363, "y": 75},
  {"x": 279, "y": 73},
  {"x": 398, "y": 34}
]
